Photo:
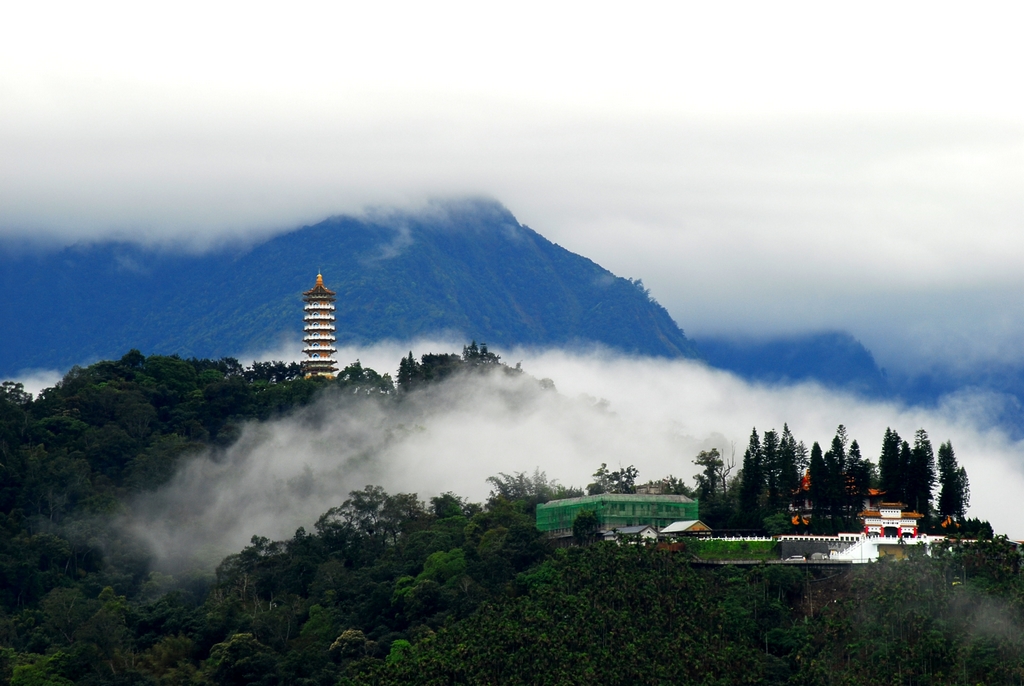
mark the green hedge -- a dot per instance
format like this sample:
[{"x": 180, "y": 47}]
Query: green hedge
[{"x": 722, "y": 549}]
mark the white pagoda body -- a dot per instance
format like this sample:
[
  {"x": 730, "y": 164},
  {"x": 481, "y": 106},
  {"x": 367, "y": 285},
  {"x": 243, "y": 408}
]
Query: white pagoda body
[{"x": 318, "y": 331}]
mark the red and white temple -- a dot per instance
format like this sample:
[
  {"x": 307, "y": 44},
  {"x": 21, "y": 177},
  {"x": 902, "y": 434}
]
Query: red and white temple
[
  {"x": 891, "y": 520},
  {"x": 318, "y": 331}
]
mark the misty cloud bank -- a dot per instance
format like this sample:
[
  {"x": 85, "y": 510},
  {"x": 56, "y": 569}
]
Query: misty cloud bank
[{"x": 655, "y": 414}]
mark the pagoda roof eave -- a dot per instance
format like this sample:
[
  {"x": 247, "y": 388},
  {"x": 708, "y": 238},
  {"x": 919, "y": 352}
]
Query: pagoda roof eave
[{"x": 318, "y": 292}]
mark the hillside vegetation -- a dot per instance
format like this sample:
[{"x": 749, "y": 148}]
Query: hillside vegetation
[{"x": 389, "y": 588}]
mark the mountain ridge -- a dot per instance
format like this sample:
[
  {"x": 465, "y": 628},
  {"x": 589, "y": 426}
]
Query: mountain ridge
[
  {"x": 459, "y": 269},
  {"x": 467, "y": 267}
]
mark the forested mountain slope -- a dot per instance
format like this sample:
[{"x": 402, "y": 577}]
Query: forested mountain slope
[
  {"x": 464, "y": 268},
  {"x": 832, "y": 358}
]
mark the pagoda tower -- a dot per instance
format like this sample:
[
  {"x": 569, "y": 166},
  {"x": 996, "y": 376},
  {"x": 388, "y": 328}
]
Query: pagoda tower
[{"x": 318, "y": 331}]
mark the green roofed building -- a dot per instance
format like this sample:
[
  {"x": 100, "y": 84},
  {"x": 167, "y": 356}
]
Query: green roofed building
[{"x": 615, "y": 510}]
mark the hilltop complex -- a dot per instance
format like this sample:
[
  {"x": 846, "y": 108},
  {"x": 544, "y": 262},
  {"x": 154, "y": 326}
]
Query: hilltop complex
[{"x": 887, "y": 527}]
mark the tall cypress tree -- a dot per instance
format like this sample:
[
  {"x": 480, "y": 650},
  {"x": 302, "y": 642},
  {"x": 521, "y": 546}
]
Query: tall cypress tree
[
  {"x": 835, "y": 466},
  {"x": 819, "y": 488},
  {"x": 858, "y": 479},
  {"x": 890, "y": 474},
  {"x": 789, "y": 476},
  {"x": 753, "y": 480},
  {"x": 841, "y": 435},
  {"x": 921, "y": 474},
  {"x": 954, "y": 490},
  {"x": 802, "y": 461},
  {"x": 773, "y": 476},
  {"x": 963, "y": 487},
  {"x": 904, "y": 471}
]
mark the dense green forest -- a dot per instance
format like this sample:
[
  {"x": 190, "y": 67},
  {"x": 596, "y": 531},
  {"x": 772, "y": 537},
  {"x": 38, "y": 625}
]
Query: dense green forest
[{"x": 389, "y": 588}]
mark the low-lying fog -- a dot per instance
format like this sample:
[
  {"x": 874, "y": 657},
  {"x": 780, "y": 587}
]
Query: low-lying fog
[{"x": 655, "y": 414}]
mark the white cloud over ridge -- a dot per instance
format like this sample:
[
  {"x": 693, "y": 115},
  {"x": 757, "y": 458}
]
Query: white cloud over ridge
[
  {"x": 35, "y": 380},
  {"x": 655, "y": 414}
]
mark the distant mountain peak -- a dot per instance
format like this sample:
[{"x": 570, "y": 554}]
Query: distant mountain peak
[{"x": 464, "y": 265}]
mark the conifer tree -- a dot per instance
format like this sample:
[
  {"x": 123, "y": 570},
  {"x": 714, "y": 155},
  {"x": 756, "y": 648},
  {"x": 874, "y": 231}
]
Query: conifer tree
[
  {"x": 963, "y": 490},
  {"x": 835, "y": 469},
  {"x": 858, "y": 479},
  {"x": 753, "y": 478},
  {"x": 920, "y": 478},
  {"x": 954, "y": 490},
  {"x": 802, "y": 460},
  {"x": 789, "y": 475},
  {"x": 408, "y": 370},
  {"x": 818, "y": 494},
  {"x": 904, "y": 471},
  {"x": 890, "y": 474},
  {"x": 770, "y": 451},
  {"x": 841, "y": 435}
]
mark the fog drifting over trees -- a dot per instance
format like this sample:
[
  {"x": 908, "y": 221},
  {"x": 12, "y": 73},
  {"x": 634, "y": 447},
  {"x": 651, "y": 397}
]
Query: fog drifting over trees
[{"x": 654, "y": 414}]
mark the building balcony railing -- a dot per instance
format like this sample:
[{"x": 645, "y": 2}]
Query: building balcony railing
[
  {"x": 312, "y": 317},
  {"x": 318, "y": 327},
  {"x": 319, "y": 337},
  {"x": 318, "y": 306}
]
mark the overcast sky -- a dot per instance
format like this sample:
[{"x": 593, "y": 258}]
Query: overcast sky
[{"x": 764, "y": 167}]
